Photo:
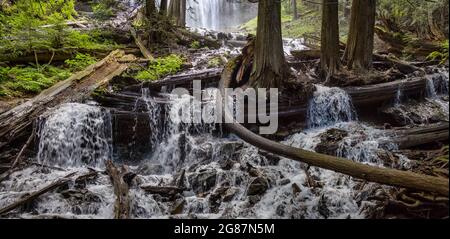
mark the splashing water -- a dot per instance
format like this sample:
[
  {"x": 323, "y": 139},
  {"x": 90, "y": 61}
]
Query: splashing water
[
  {"x": 177, "y": 141},
  {"x": 329, "y": 106},
  {"x": 74, "y": 135}
]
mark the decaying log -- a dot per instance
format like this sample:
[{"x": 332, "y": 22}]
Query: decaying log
[
  {"x": 414, "y": 137},
  {"x": 15, "y": 122},
  {"x": 386, "y": 176},
  {"x": 121, "y": 180},
  {"x": 33, "y": 196},
  {"x": 306, "y": 54},
  {"x": 207, "y": 77},
  {"x": 373, "y": 94},
  {"x": 144, "y": 51},
  {"x": 402, "y": 66},
  {"x": 69, "y": 23}
]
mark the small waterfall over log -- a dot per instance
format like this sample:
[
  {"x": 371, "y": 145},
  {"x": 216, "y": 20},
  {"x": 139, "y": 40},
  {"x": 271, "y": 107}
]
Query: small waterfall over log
[
  {"x": 329, "y": 106},
  {"x": 75, "y": 135}
]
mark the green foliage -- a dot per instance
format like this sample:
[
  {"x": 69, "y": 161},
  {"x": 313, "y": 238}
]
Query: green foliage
[
  {"x": 160, "y": 67},
  {"x": 17, "y": 81},
  {"x": 409, "y": 15},
  {"x": 80, "y": 61},
  {"x": 30, "y": 25},
  {"x": 103, "y": 10},
  {"x": 441, "y": 55},
  {"x": 215, "y": 62},
  {"x": 195, "y": 45}
]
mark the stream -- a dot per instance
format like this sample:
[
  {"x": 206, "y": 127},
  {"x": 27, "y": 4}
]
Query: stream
[{"x": 221, "y": 175}]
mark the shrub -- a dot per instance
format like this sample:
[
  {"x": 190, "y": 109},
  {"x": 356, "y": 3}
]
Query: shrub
[
  {"x": 80, "y": 61},
  {"x": 161, "y": 67}
]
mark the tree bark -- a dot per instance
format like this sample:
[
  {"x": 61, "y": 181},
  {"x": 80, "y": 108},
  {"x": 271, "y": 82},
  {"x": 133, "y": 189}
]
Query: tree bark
[
  {"x": 163, "y": 7},
  {"x": 294, "y": 9},
  {"x": 182, "y": 19},
  {"x": 269, "y": 66},
  {"x": 358, "y": 53},
  {"x": 329, "y": 58},
  {"x": 150, "y": 8}
]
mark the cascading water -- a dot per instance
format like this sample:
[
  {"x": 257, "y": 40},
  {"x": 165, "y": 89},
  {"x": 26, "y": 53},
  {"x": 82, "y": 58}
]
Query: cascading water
[
  {"x": 74, "y": 135},
  {"x": 218, "y": 14},
  {"x": 329, "y": 106}
]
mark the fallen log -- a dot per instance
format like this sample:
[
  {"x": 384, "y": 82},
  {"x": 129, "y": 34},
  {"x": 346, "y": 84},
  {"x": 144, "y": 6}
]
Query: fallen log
[
  {"x": 15, "y": 122},
  {"x": 33, "y": 196},
  {"x": 386, "y": 176},
  {"x": 121, "y": 180},
  {"x": 414, "y": 137},
  {"x": 144, "y": 51},
  {"x": 304, "y": 55},
  {"x": 207, "y": 77}
]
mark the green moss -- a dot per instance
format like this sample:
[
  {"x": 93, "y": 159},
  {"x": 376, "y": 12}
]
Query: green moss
[
  {"x": 161, "y": 67},
  {"x": 103, "y": 10},
  {"x": 80, "y": 61},
  {"x": 442, "y": 55},
  {"x": 17, "y": 81},
  {"x": 215, "y": 62},
  {"x": 195, "y": 45}
]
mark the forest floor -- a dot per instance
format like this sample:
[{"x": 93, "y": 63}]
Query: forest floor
[{"x": 126, "y": 93}]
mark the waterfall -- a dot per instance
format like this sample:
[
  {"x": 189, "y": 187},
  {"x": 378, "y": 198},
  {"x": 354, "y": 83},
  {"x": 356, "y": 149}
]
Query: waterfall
[
  {"x": 75, "y": 135},
  {"x": 218, "y": 15},
  {"x": 329, "y": 106},
  {"x": 174, "y": 139}
]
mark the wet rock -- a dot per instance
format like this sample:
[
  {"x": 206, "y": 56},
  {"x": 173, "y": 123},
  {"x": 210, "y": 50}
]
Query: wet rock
[
  {"x": 254, "y": 199},
  {"x": 323, "y": 208},
  {"x": 222, "y": 36},
  {"x": 179, "y": 179},
  {"x": 178, "y": 206},
  {"x": 271, "y": 158},
  {"x": 280, "y": 211},
  {"x": 226, "y": 164},
  {"x": 258, "y": 186},
  {"x": 203, "y": 181},
  {"x": 329, "y": 141},
  {"x": 215, "y": 199},
  {"x": 414, "y": 112},
  {"x": 230, "y": 193},
  {"x": 229, "y": 151},
  {"x": 283, "y": 181},
  {"x": 296, "y": 189},
  {"x": 150, "y": 169}
]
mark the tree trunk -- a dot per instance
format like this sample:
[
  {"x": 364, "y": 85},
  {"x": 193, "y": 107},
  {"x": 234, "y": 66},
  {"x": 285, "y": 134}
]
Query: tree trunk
[
  {"x": 182, "y": 19},
  {"x": 177, "y": 11},
  {"x": 150, "y": 8},
  {"x": 269, "y": 66},
  {"x": 329, "y": 57},
  {"x": 358, "y": 53},
  {"x": 294, "y": 9},
  {"x": 163, "y": 7}
]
